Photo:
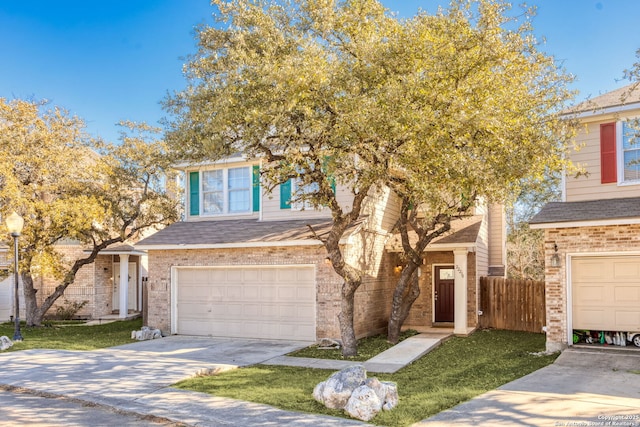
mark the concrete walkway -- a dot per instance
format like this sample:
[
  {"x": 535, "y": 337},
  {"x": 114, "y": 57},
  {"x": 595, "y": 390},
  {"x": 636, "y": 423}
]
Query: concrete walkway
[{"x": 389, "y": 361}]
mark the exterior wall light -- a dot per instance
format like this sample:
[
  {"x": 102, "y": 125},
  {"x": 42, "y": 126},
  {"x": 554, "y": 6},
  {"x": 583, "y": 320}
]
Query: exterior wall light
[{"x": 555, "y": 258}]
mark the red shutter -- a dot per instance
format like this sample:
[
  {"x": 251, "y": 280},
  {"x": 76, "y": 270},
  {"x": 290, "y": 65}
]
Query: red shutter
[{"x": 608, "y": 172}]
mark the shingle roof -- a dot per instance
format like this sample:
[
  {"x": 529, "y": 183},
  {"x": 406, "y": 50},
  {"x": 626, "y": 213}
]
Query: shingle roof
[
  {"x": 626, "y": 95},
  {"x": 236, "y": 232},
  {"x": 463, "y": 232},
  {"x": 591, "y": 210}
]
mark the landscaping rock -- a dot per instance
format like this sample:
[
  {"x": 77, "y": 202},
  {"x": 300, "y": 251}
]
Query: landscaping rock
[
  {"x": 359, "y": 396},
  {"x": 364, "y": 403},
  {"x": 328, "y": 344},
  {"x": 391, "y": 397},
  {"x": 5, "y": 343},
  {"x": 146, "y": 333},
  {"x": 339, "y": 386}
]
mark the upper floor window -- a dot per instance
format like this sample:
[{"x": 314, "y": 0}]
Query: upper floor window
[
  {"x": 630, "y": 152},
  {"x": 224, "y": 191},
  {"x": 619, "y": 153}
]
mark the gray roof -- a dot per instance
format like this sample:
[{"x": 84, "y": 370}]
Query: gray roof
[
  {"x": 463, "y": 232},
  {"x": 236, "y": 232},
  {"x": 591, "y": 210},
  {"x": 626, "y": 95}
]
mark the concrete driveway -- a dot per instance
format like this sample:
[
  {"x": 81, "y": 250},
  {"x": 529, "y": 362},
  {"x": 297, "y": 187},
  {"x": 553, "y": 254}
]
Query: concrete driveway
[
  {"x": 136, "y": 379},
  {"x": 134, "y": 370},
  {"x": 583, "y": 387}
]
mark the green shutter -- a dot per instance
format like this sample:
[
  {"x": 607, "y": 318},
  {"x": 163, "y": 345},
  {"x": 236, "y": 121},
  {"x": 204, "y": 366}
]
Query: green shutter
[
  {"x": 332, "y": 180},
  {"x": 194, "y": 193},
  {"x": 256, "y": 188},
  {"x": 285, "y": 195}
]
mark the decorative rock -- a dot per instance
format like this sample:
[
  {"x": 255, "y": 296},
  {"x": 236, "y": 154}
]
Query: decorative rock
[
  {"x": 146, "y": 333},
  {"x": 359, "y": 396},
  {"x": 377, "y": 386},
  {"x": 363, "y": 404},
  {"x": 328, "y": 344},
  {"x": 387, "y": 392},
  {"x": 391, "y": 397},
  {"x": 339, "y": 386},
  {"x": 5, "y": 343}
]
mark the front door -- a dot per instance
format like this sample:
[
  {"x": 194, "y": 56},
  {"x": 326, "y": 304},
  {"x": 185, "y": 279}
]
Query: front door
[
  {"x": 132, "y": 301},
  {"x": 443, "y": 296}
]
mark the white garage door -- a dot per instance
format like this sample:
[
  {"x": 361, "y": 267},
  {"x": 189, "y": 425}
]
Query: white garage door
[
  {"x": 247, "y": 302},
  {"x": 606, "y": 293}
]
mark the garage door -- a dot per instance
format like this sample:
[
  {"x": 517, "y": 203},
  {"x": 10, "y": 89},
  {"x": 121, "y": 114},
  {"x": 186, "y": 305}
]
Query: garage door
[
  {"x": 247, "y": 302},
  {"x": 606, "y": 293}
]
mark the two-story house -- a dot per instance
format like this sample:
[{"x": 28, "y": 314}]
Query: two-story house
[
  {"x": 245, "y": 263},
  {"x": 592, "y": 237}
]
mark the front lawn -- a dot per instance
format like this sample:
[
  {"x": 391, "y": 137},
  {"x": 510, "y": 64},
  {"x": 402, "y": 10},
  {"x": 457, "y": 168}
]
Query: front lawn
[
  {"x": 72, "y": 336},
  {"x": 458, "y": 370}
]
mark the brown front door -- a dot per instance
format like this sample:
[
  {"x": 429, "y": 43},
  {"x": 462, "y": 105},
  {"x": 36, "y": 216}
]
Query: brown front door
[{"x": 443, "y": 295}]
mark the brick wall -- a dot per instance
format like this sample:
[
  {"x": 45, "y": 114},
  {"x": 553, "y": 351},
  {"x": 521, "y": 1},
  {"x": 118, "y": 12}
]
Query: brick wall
[
  {"x": 371, "y": 298},
  {"x": 614, "y": 238},
  {"x": 81, "y": 290}
]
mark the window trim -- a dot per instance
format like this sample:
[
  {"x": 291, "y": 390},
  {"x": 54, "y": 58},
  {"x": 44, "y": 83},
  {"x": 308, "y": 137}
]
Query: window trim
[
  {"x": 253, "y": 190},
  {"x": 620, "y": 154}
]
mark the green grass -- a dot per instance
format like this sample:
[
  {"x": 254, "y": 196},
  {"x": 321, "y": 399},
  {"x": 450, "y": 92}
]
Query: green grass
[
  {"x": 72, "y": 335},
  {"x": 367, "y": 348},
  {"x": 461, "y": 368}
]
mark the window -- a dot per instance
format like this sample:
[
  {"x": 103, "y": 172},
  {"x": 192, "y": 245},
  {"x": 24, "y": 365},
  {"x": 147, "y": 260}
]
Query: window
[
  {"x": 212, "y": 192},
  {"x": 620, "y": 153},
  {"x": 224, "y": 191},
  {"x": 630, "y": 152},
  {"x": 297, "y": 187}
]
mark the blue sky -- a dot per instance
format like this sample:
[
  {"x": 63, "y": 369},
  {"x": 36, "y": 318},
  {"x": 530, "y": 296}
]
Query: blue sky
[{"x": 107, "y": 61}]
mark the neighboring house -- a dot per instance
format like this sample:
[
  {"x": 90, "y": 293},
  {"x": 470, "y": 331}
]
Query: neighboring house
[
  {"x": 592, "y": 237},
  {"x": 99, "y": 284},
  {"x": 6, "y": 285},
  {"x": 245, "y": 263}
]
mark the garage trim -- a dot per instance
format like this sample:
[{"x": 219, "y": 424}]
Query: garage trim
[
  {"x": 569, "y": 288},
  {"x": 174, "y": 282}
]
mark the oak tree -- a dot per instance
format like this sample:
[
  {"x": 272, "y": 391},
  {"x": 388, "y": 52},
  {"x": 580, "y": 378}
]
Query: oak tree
[
  {"x": 70, "y": 188},
  {"x": 445, "y": 109}
]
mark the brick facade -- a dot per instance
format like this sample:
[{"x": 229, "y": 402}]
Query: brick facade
[
  {"x": 371, "y": 300},
  {"x": 93, "y": 283},
  {"x": 574, "y": 241}
]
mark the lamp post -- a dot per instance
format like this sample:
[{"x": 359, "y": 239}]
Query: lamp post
[{"x": 14, "y": 225}]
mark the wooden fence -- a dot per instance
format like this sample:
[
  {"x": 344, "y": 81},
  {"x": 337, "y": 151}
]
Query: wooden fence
[{"x": 512, "y": 304}]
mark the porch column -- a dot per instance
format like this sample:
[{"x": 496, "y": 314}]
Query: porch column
[
  {"x": 460, "y": 291},
  {"x": 124, "y": 286}
]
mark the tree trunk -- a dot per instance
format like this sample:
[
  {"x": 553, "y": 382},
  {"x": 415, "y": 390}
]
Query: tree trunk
[
  {"x": 402, "y": 301},
  {"x": 345, "y": 319},
  {"x": 32, "y": 314}
]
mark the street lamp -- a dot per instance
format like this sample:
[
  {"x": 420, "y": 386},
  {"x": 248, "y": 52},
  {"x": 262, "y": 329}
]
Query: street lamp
[{"x": 14, "y": 225}]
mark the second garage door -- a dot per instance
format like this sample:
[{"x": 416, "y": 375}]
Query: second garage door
[
  {"x": 246, "y": 302},
  {"x": 606, "y": 293}
]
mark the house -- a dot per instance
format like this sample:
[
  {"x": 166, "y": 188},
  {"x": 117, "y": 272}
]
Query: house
[
  {"x": 592, "y": 237},
  {"x": 6, "y": 289},
  {"x": 97, "y": 285},
  {"x": 245, "y": 262}
]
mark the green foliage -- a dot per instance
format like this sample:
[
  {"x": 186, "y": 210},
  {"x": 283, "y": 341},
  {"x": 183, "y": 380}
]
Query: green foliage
[
  {"x": 73, "y": 336},
  {"x": 461, "y": 368},
  {"x": 69, "y": 309},
  {"x": 445, "y": 109},
  {"x": 72, "y": 189}
]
